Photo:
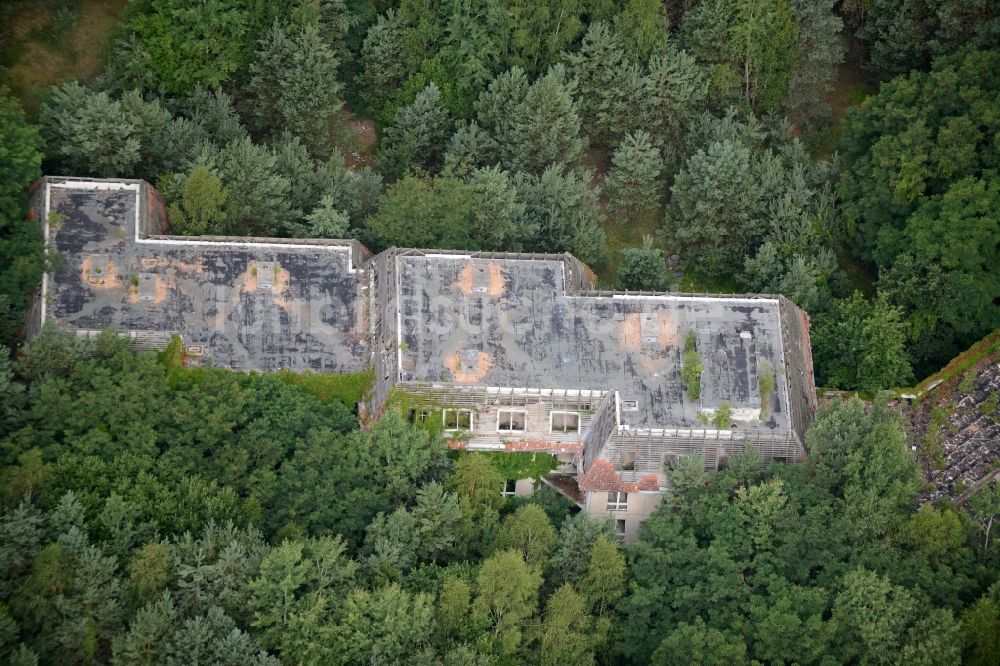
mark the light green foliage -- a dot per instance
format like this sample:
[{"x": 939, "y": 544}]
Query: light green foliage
[
  {"x": 723, "y": 416},
  {"x": 423, "y": 212},
  {"x": 875, "y": 617},
  {"x": 149, "y": 570},
  {"x": 980, "y": 632},
  {"x": 388, "y": 624},
  {"x": 691, "y": 366},
  {"x": 984, "y": 510},
  {"x": 937, "y": 533},
  {"x": 506, "y": 598},
  {"x": 861, "y": 345},
  {"x": 544, "y": 28},
  {"x": 642, "y": 28},
  {"x": 201, "y": 209},
  {"x": 326, "y": 221},
  {"x": 477, "y": 482},
  {"x": 567, "y": 630},
  {"x": 633, "y": 183},
  {"x": 529, "y": 532},
  {"x": 643, "y": 268},
  {"x": 258, "y": 193},
  {"x": 181, "y": 46},
  {"x": 293, "y": 86},
  {"x": 765, "y": 387},
  {"x": 604, "y": 582}
]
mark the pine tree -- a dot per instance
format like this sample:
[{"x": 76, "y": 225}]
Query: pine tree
[
  {"x": 498, "y": 221},
  {"x": 633, "y": 185},
  {"x": 820, "y": 51},
  {"x": 327, "y": 221},
  {"x": 202, "y": 205},
  {"x": 495, "y": 106},
  {"x": 382, "y": 62},
  {"x": 597, "y": 69},
  {"x": 417, "y": 136},
  {"x": 258, "y": 193},
  {"x": 563, "y": 209},
  {"x": 546, "y": 126},
  {"x": 643, "y": 268},
  {"x": 469, "y": 148},
  {"x": 88, "y": 133},
  {"x": 714, "y": 218},
  {"x": 672, "y": 92},
  {"x": 293, "y": 87}
]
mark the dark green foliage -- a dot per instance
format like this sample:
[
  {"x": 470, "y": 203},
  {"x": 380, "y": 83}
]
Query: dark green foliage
[
  {"x": 747, "y": 566},
  {"x": 746, "y": 199},
  {"x": 293, "y": 87},
  {"x": 416, "y": 138},
  {"x": 633, "y": 183},
  {"x": 921, "y": 199},
  {"x": 753, "y": 46},
  {"x": 821, "y": 50},
  {"x": 643, "y": 268},
  {"x": 903, "y": 35},
  {"x": 862, "y": 344},
  {"x": 563, "y": 212},
  {"x": 21, "y": 253}
]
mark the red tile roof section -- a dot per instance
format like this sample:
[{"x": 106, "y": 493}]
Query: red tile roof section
[{"x": 603, "y": 477}]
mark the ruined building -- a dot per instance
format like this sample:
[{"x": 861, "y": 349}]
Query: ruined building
[{"x": 512, "y": 352}]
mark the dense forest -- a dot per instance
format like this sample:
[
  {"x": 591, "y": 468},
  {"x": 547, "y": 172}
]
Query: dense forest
[{"x": 153, "y": 513}]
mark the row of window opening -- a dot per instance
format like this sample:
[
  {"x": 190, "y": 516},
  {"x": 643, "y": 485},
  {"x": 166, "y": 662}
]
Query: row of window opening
[{"x": 508, "y": 420}]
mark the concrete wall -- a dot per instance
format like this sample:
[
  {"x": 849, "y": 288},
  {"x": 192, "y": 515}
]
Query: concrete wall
[{"x": 640, "y": 506}]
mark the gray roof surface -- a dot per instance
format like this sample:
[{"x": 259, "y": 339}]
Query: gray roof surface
[
  {"x": 509, "y": 322},
  {"x": 483, "y": 320},
  {"x": 250, "y": 306}
]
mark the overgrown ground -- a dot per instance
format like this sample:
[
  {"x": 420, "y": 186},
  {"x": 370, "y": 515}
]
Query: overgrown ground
[
  {"x": 956, "y": 423},
  {"x": 50, "y": 41}
]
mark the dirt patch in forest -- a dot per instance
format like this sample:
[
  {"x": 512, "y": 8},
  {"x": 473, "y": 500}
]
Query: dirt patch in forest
[
  {"x": 358, "y": 144},
  {"x": 46, "y": 43}
]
